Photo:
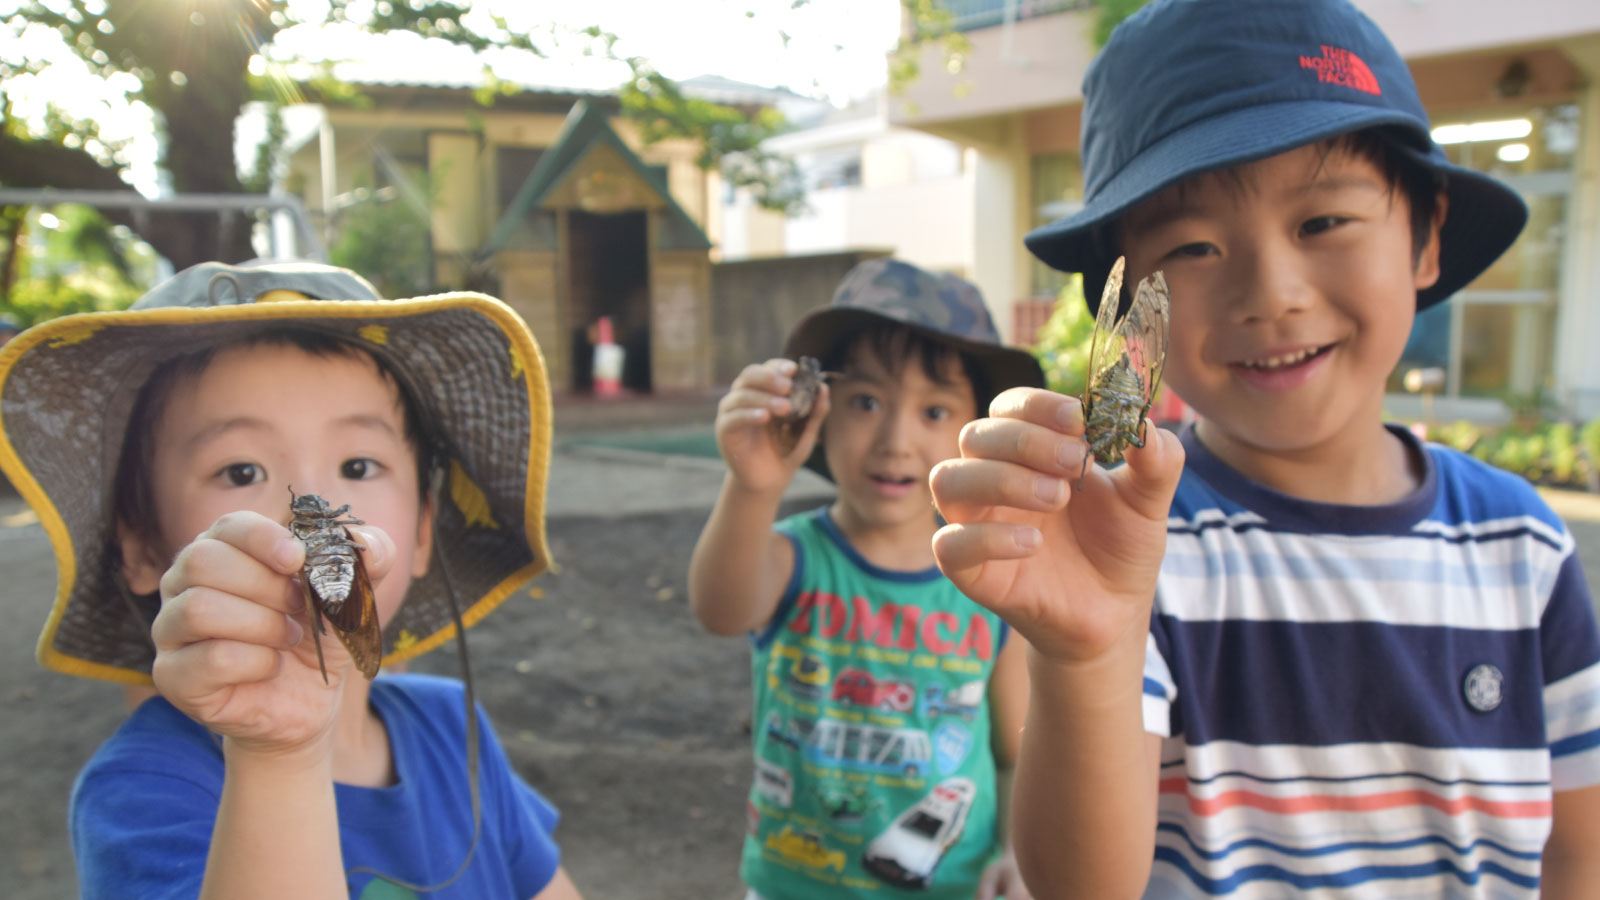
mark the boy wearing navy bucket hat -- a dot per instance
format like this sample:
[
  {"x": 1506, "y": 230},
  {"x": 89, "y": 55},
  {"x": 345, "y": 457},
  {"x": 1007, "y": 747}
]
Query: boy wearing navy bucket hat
[
  {"x": 887, "y": 705},
  {"x": 1293, "y": 650}
]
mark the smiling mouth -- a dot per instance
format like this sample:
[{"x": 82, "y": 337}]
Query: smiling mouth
[
  {"x": 885, "y": 479},
  {"x": 1286, "y": 360}
]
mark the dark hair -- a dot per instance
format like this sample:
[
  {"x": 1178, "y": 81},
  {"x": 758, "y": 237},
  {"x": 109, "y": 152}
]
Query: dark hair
[
  {"x": 133, "y": 505},
  {"x": 1418, "y": 183},
  {"x": 894, "y": 345},
  {"x": 1380, "y": 146}
]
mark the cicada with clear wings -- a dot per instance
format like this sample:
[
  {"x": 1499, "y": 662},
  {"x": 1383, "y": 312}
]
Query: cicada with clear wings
[
  {"x": 1125, "y": 360},
  {"x": 335, "y": 582}
]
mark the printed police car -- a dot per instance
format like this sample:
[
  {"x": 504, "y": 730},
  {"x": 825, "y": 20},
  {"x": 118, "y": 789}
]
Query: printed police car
[{"x": 907, "y": 852}]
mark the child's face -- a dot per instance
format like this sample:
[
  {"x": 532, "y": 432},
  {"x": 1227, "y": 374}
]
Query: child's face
[
  {"x": 888, "y": 429},
  {"x": 260, "y": 419},
  {"x": 1293, "y": 292}
]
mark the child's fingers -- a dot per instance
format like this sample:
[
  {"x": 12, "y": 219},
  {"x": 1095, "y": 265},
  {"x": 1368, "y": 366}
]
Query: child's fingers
[
  {"x": 771, "y": 377},
  {"x": 1022, "y": 443},
  {"x": 377, "y": 550},
  {"x": 962, "y": 549},
  {"x": 965, "y": 490},
  {"x": 202, "y": 614},
  {"x": 1047, "y": 409},
  {"x": 260, "y": 538},
  {"x": 211, "y": 666},
  {"x": 1153, "y": 472},
  {"x": 752, "y": 404},
  {"x": 218, "y": 565}
]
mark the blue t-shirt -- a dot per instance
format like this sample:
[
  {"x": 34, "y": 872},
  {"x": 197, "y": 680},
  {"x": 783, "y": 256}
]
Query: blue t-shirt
[{"x": 143, "y": 808}]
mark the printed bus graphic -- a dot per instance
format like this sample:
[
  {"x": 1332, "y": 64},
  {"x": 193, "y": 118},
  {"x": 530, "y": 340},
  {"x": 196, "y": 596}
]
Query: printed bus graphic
[{"x": 872, "y": 748}]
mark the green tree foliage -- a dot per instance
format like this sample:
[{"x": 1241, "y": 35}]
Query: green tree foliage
[
  {"x": 729, "y": 137},
  {"x": 190, "y": 64},
  {"x": 79, "y": 263},
  {"x": 1063, "y": 342},
  {"x": 388, "y": 241}
]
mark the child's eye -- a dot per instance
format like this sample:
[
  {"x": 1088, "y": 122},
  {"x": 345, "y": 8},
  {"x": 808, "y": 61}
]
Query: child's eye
[
  {"x": 864, "y": 402},
  {"x": 1194, "y": 250},
  {"x": 937, "y": 413},
  {"x": 1320, "y": 224},
  {"x": 243, "y": 474},
  {"x": 359, "y": 469}
]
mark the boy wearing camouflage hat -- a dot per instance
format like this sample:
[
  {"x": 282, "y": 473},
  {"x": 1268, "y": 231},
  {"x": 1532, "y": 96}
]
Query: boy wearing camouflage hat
[{"x": 887, "y": 705}]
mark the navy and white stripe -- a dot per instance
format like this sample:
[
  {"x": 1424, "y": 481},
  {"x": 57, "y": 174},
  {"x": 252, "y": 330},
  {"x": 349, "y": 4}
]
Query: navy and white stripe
[{"x": 1307, "y": 665}]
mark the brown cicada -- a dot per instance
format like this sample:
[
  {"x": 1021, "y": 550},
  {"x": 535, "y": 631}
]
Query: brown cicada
[
  {"x": 805, "y": 385},
  {"x": 335, "y": 581},
  {"x": 1125, "y": 360}
]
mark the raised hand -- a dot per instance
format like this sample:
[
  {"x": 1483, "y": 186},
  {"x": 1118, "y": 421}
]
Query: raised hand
[
  {"x": 231, "y": 648},
  {"x": 745, "y": 431},
  {"x": 1072, "y": 566}
]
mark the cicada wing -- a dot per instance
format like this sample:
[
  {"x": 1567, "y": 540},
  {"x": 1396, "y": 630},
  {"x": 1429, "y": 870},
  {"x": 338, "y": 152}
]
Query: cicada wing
[
  {"x": 1103, "y": 352},
  {"x": 314, "y": 617},
  {"x": 356, "y": 623},
  {"x": 1143, "y": 331}
]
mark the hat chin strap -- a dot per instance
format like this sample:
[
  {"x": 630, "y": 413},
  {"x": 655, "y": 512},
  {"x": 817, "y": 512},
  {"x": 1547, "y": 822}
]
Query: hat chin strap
[{"x": 471, "y": 719}]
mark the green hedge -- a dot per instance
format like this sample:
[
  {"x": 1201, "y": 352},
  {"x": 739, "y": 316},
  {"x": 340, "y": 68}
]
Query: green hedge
[{"x": 1559, "y": 454}]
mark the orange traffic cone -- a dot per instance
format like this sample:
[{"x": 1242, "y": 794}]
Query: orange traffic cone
[{"x": 607, "y": 361}]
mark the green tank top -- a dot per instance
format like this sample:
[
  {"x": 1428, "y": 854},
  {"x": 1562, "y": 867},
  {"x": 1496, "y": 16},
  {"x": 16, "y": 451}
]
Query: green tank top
[{"x": 874, "y": 774}]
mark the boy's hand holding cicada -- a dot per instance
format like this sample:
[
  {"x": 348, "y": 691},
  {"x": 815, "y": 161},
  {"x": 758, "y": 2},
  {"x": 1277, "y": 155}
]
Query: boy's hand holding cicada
[
  {"x": 231, "y": 648},
  {"x": 768, "y": 423},
  {"x": 1068, "y": 552}
]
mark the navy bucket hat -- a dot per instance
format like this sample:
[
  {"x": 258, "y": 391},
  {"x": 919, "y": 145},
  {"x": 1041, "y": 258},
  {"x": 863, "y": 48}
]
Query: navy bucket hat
[
  {"x": 1191, "y": 86},
  {"x": 942, "y": 308}
]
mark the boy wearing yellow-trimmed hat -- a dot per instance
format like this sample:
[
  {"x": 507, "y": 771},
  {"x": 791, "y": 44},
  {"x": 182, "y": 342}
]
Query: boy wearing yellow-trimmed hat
[{"x": 159, "y": 446}]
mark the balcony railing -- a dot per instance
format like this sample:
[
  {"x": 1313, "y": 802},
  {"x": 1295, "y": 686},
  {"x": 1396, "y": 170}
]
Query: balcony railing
[{"x": 970, "y": 15}]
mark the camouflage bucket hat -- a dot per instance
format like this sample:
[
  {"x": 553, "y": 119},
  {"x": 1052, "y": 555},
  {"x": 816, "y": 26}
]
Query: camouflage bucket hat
[
  {"x": 941, "y": 308},
  {"x": 68, "y": 388}
]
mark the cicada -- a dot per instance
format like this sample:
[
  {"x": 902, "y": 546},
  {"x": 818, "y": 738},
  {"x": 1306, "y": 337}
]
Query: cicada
[
  {"x": 1125, "y": 360},
  {"x": 805, "y": 385},
  {"x": 335, "y": 582}
]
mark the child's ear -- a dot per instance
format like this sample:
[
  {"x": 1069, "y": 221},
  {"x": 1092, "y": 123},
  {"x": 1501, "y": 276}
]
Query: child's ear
[
  {"x": 424, "y": 554},
  {"x": 142, "y": 562},
  {"x": 1428, "y": 260}
]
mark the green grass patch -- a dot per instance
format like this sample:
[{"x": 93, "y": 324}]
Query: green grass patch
[{"x": 700, "y": 442}]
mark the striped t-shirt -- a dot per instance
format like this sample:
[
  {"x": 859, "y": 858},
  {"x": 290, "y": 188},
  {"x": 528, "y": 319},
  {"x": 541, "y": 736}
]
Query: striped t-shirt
[{"x": 1367, "y": 701}]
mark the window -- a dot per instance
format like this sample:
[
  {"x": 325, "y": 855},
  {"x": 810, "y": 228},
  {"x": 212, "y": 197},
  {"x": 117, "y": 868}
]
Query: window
[
  {"x": 1055, "y": 190},
  {"x": 1494, "y": 338}
]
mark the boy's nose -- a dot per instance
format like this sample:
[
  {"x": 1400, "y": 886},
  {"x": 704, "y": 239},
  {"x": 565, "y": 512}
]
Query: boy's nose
[
  {"x": 1269, "y": 284},
  {"x": 894, "y": 430}
]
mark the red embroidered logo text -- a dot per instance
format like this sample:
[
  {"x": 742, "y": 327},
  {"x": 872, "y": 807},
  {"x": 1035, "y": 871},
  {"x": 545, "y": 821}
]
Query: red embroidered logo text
[{"x": 1337, "y": 66}]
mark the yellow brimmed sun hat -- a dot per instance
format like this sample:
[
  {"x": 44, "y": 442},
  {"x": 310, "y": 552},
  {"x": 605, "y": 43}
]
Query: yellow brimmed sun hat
[{"x": 68, "y": 388}]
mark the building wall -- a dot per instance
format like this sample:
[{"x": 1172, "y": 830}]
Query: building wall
[{"x": 1529, "y": 325}]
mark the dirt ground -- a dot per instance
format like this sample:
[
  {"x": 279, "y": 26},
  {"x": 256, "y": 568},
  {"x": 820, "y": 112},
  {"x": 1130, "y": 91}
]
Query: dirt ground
[{"x": 606, "y": 695}]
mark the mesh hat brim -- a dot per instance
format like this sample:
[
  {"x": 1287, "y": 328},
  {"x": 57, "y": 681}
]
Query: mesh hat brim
[
  {"x": 821, "y": 330},
  {"x": 68, "y": 386},
  {"x": 1483, "y": 219}
]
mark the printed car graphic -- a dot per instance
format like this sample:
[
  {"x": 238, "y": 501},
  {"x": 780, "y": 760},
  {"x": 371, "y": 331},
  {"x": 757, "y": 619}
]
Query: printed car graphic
[
  {"x": 774, "y": 784},
  {"x": 962, "y": 701},
  {"x": 805, "y": 848},
  {"x": 808, "y": 676},
  {"x": 908, "y": 851},
  {"x": 859, "y": 687},
  {"x": 790, "y": 733},
  {"x": 868, "y": 747}
]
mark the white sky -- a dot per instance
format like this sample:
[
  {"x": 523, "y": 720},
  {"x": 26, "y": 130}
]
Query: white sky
[{"x": 835, "y": 51}]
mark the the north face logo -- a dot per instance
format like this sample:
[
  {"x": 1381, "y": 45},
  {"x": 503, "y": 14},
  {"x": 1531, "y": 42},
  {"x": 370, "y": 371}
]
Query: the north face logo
[{"x": 1337, "y": 66}]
